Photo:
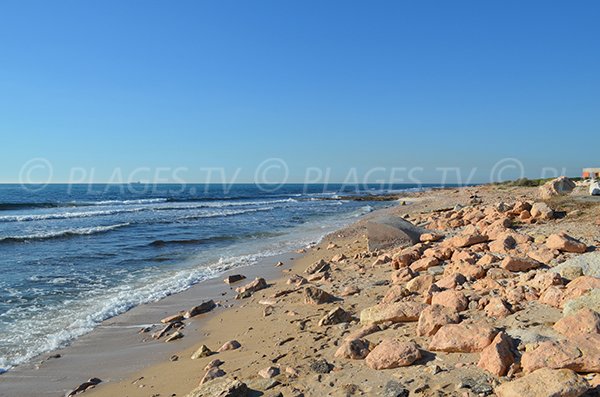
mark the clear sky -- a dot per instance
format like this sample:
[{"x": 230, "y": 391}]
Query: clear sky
[{"x": 340, "y": 84}]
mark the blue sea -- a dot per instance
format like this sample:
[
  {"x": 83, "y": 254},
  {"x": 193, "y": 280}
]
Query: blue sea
[{"x": 72, "y": 256}]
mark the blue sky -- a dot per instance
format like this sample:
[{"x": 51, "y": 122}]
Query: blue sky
[{"x": 328, "y": 84}]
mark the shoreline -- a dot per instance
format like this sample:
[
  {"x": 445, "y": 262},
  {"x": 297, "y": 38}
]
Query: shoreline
[{"x": 111, "y": 343}]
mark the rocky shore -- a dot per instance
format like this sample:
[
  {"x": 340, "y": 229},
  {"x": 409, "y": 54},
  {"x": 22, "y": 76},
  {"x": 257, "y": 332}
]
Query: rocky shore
[{"x": 477, "y": 291}]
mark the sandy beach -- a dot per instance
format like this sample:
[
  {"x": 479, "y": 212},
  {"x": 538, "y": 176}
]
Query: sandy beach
[{"x": 385, "y": 325}]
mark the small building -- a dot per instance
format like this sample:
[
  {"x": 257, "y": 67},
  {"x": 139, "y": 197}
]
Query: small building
[{"x": 591, "y": 173}]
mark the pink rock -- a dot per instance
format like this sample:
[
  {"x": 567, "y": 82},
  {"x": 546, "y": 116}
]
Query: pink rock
[
  {"x": 451, "y": 282},
  {"x": 467, "y": 338},
  {"x": 395, "y": 294},
  {"x": 565, "y": 243},
  {"x": 517, "y": 264},
  {"x": 467, "y": 240},
  {"x": 545, "y": 382},
  {"x": 498, "y": 356},
  {"x": 581, "y": 353},
  {"x": 435, "y": 317},
  {"x": 355, "y": 349},
  {"x": 466, "y": 269},
  {"x": 402, "y": 276},
  {"x": 579, "y": 287},
  {"x": 584, "y": 321},
  {"x": 391, "y": 353},
  {"x": 552, "y": 296},
  {"x": 497, "y": 308},
  {"x": 453, "y": 299},
  {"x": 424, "y": 264},
  {"x": 393, "y": 312},
  {"x": 430, "y": 237},
  {"x": 231, "y": 345}
]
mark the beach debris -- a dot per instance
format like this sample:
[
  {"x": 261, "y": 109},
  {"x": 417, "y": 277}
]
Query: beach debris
[
  {"x": 92, "y": 382},
  {"x": 234, "y": 278},
  {"x": 296, "y": 280},
  {"x": 316, "y": 296},
  {"x": 230, "y": 345},
  {"x": 279, "y": 264},
  {"x": 203, "y": 351},
  {"x": 162, "y": 332},
  {"x": 202, "y": 308},
  {"x": 391, "y": 353},
  {"x": 339, "y": 258}
]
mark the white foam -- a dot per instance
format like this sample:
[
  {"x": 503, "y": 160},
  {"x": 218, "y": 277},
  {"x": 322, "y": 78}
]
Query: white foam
[{"x": 63, "y": 233}]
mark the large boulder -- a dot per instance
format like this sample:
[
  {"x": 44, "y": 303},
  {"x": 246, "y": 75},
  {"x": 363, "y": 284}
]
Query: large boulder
[
  {"x": 559, "y": 186},
  {"x": 435, "y": 317},
  {"x": 545, "y": 382},
  {"x": 384, "y": 231},
  {"x": 498, "y": 356},
  {"x": 588, "y": 265},
  {"x": 580, "y": 353},
  {"x": 467, "y": 338}
]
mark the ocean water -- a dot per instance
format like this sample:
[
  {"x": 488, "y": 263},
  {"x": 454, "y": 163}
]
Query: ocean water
[{"x": 73, "y": 256}]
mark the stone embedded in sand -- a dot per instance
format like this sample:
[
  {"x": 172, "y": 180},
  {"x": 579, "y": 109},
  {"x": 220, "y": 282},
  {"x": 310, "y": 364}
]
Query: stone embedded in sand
[
  {"x": 234, "y": 278},
  {"x": 203, "y": 351},
  {"x": 393, "y": 312},
  {"x": 202, "y": 308},
  {"x": 391, "y": 353},
  {"x": 467, "y": 240},
  {"x": 450, "y": 298},
  {"x": 221, "y": 387},
  {"x": 174, "y": 336},
  {"x": 296, "y": 280},
  {"x": 545, "y": 382},
  {"x": 350, "y": 290},
  {"x": 92, "y": 382},
  {"x": 580, "y": 353},
  {"x": 584, "y": 321},
  {"x": 339, "y": 258},
  {"x": 565, "y": 243},
  {"x": 497, "y": 308},
  {"x": 335, "y": 316},
  {"x": 216, "y": 363},
  {"x": 231, "y": 345},
  {"x": 355, "y": 349},
  {"x": 269, "y": 372},
  {"x": 211, "y": 374},
  {"x": 175, "y": 318},
  {"x": 498, "y": 356},
  {"x": 362, "y": 332},
  {"x": 517, "y": 264},
  {"x": 467, "y": 338},
  {"x": 424, "y": 264},
  {"x": 316, "y": 296},
  {"x": 321, "y": 366},
  {"x": 434, "y": 317},
  {"x": 541, "y": 211},
  {"x": 256, "y": 285},
  {"x": 318, "y": 267}
]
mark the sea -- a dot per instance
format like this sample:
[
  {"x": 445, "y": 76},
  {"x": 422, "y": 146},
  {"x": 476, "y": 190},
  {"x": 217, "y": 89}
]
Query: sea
[{"x": 72, "y": 256}]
